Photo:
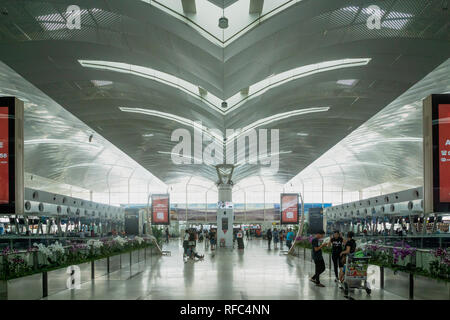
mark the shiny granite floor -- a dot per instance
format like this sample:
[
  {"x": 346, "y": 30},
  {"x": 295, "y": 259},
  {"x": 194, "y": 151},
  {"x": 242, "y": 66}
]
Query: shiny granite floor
[{"x": 254, "y": 273}]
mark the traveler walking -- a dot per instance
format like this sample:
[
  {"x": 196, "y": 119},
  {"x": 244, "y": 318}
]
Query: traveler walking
[
  {"x": 289, "y": 238},
  {"x": 336, "y": 245},
  {"x": 276, "y": 238},
  {"x": 269, "y": 237},
  {"x": 318, "y": 258},
  {"x": 350, "y": 248},
  {"x": 212, "y": 239},
  {"x": 281, "y": 238},
  {"x": 185, "y": 243}
]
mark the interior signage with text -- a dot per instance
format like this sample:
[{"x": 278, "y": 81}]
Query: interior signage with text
[
  {"x": 289, "y": 208},
  {"x": 160, "y": 209},
  {"x": 436, "y": 128},
  {"x": 11, "y": 155}
]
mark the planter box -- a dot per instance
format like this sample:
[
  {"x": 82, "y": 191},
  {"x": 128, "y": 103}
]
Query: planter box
[
  {"x": 24, "y": 288},
  {"x": 125, "y": 260},
  {"x": 141, "y": 255},
  {"x": 114, "y": 263},
  {"x": 134, "y": 256},
  {"x": 149, "y": 252},
  {"x": 100, "y": 267},
  {"x": 86, "y": 271},
  {"x": 57, "y": 280},
  {"x": 430, "y": 289},
  {"x": 374, "y": 276},
  {"x": 397, "y": 283}
]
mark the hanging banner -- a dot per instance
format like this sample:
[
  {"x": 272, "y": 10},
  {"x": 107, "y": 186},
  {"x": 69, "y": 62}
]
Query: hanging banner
[
  {"x": 436, "y": 146},
  {"x": 289, "y": 208},
  {"x": 160, "y": 209},
  {"x": 11, "y": 156}
]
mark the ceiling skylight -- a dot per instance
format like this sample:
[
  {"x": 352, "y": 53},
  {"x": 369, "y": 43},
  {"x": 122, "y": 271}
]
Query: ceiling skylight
[{"x": 205, "y": 19}]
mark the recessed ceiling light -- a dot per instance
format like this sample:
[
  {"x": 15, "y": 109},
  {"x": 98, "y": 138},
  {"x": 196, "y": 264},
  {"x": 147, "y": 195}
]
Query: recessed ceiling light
[
  {"x": 302, "y": 134},
  {"x": 347, "y": 82},
  {"x": 147, "y": 135},
  {"x": 101, "y": 83}
]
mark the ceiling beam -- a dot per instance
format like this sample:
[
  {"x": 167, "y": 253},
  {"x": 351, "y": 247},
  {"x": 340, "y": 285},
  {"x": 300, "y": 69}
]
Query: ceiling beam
[
  {"x": 189, "y": 6},
  {"x": 256, "y": 6}
]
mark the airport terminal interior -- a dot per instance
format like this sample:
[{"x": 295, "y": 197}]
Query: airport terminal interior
[{"x": 224, "y": 150}]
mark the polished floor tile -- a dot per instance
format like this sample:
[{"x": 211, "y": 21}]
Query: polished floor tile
[{"x": 253, "y": 273}]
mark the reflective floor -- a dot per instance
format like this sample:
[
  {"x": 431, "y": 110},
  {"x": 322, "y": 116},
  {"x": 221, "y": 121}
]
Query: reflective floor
[{"x": 254, "y": 273}]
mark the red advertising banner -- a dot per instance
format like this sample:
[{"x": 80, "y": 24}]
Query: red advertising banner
[
  {"x": 289, "y": 208},
  {"x": 4, "y": 155},
  {"x": 160, "y": 209},
  {"x": 444, "y": 152}
]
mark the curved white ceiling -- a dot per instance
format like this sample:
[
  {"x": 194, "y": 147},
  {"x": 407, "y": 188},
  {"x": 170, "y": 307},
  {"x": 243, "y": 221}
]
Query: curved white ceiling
[
  {"x": 412, "y": 43},
  {"x": 384, "y": 154}
]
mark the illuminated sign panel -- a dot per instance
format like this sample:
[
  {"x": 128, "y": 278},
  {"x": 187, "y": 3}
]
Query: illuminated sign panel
[
  {"x": 444, "y": 152},
  {"x": 11, "y": 155},
  {"x": 289, "y": 208},
  {"x": 436, "y": 139},
  {"x": 4, "y": 156},
  {"x": 160, "y": 209}
]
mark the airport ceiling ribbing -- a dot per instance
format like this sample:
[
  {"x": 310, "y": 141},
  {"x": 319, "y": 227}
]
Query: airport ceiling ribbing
[{"x": 134, "y": 67}]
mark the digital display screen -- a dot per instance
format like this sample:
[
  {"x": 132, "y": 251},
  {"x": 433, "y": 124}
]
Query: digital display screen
[
  {"x": 225, "y": 205},
  {"x": 4, "y": 156},
  {"x": 444, "y": 152},
  {"x": 436, "y": 122},
  {"x": 160, "y": 209},
  {"x": 289, "y": 208}
]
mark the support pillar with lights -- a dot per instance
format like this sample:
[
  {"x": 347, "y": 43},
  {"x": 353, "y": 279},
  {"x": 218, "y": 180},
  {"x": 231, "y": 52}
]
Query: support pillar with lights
[{"x": 225, "y": 211}]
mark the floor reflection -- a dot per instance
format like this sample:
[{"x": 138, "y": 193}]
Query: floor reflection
[{"x": 253, "y": 273}]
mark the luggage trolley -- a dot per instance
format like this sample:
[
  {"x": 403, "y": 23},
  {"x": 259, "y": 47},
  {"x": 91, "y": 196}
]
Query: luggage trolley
[{"x": 355, "y": 276}]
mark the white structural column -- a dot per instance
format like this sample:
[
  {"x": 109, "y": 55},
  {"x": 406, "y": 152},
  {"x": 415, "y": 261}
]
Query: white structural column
[
  {"x": 189, "y": 6},
  {"x": 225, "y": 216},
  {"x": 256, "y": 6}
]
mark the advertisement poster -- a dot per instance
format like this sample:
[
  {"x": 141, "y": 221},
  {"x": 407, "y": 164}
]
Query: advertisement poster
[
  {"x": 289, "y": 208},
  {"x": 444, "y": 152},
  {"x": 160, "y": 209},
  {"x": 4, "y": 155}
]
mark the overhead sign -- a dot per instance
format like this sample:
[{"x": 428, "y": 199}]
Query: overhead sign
[
  {"x": 11, "y": 156},
  {"x": 289, "y": 208},
  {"x": 436, "y": 146},
  {"x": 160, "y": 209},
  {"x": 225, "y": 205}
]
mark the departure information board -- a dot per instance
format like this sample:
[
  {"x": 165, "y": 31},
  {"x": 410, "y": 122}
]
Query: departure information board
[
  {"x": 436, "y": 148},
  {"x": 289, "y": 208},
  {"x": 160, "y": 209}
]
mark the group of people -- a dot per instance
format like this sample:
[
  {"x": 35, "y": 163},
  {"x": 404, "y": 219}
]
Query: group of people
[
  {"x": 340, "y": 250},
  {"x": 189, "y": 245},
  {"x": 278, "y": 236}
]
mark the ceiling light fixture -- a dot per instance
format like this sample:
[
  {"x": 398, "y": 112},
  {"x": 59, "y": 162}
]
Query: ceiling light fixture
[
  {"x": 276, "y": 117},
  {"x": 347, "y": 82},
  {"x": 236, "y": 101},
  {"x": 154, "y": 75},
  {"x": 170, "y": 116},
  {"x": 261, "y": 87}
]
